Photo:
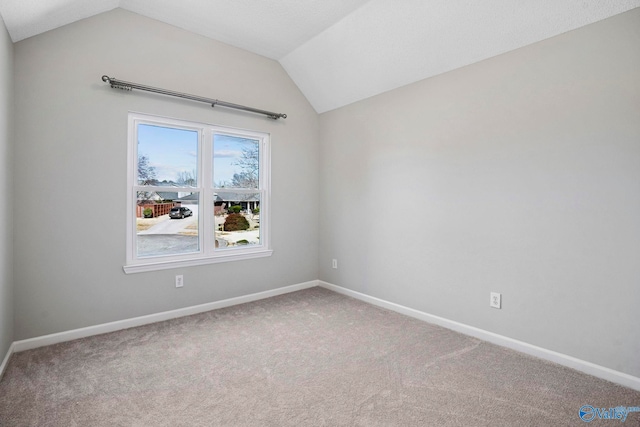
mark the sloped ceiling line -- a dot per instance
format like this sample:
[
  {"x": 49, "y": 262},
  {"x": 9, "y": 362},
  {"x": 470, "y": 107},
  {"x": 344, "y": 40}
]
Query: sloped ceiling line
[{"x": 341, "y": 51}]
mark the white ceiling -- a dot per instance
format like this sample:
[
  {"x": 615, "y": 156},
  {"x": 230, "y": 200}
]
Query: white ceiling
[{"x": 341, "y": 51}]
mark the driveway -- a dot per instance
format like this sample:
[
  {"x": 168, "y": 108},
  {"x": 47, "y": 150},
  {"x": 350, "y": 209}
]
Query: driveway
[
  {"x": 173, "y": 226},
  {"x": 165, "y": 238},
  {"x": 166, "y": 244}
]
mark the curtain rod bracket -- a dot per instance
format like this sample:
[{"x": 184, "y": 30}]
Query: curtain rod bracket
[{"x": 128, "y": 86}]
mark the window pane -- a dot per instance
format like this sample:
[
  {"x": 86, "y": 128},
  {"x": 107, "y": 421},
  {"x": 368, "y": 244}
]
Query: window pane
[
  {"x": 166, "y": 228},
  {"x": 167, "y": 156},
  {"x": 236, "y": 162},
  {"x": 237, "y": 219}
]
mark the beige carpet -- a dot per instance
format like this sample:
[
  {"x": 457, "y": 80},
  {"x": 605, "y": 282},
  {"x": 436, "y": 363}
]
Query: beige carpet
[{"x": 310, "y": 358}]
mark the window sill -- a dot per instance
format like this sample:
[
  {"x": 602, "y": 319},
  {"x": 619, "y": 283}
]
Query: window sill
[{"x": 166, "y": 265}]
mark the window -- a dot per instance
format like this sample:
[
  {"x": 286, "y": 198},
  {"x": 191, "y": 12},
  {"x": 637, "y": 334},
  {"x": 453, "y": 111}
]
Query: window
[{"x": 198, "y": 194}]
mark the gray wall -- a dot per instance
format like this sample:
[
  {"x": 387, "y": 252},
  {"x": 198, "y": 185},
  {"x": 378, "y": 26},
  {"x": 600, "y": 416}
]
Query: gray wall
[
  {"x": 520, "y": 175},
  {"x": 71, "y": 158},
  {"x": 6, "y": 189}
]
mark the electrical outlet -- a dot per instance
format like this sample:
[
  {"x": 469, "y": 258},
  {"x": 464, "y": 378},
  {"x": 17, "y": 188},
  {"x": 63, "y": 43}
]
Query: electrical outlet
[
  {"x": 334, "y": 263},
  {"x": 495, "y": 300},
  {"x": 179, "y": 281}
]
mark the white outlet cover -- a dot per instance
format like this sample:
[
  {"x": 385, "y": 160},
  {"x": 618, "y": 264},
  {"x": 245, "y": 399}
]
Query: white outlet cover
[{"x": 495, "y": 300}]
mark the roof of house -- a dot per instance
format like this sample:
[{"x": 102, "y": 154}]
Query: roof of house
[
  {"x": 192, "y": 196},
  {"x": 237, "y": 197},
  {"x": 167, "y": 195}
]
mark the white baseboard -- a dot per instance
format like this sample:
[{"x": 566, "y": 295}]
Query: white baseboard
[
  {"x": 562, "y": 359},
  {"x": 523, "y": 347},
  {"x": 5, "y": 361},
  {"x": 45, "y": 340}
]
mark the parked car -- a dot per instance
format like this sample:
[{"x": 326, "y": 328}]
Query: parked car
[{"x": 180, "y": 212}]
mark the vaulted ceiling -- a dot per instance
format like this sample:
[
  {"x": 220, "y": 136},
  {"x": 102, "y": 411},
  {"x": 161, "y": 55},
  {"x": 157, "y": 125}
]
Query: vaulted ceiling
[{"x": 342, "y": 51}]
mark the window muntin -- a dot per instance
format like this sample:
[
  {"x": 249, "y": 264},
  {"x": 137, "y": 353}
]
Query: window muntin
[{"x": 210, "y": 170}]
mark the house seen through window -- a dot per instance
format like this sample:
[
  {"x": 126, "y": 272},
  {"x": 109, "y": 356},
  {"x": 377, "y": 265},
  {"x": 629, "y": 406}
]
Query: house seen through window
[{"x": 198, "y": 194}]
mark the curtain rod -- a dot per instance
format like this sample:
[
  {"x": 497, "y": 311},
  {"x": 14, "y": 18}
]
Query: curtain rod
[{"x": 120, "y": 84}]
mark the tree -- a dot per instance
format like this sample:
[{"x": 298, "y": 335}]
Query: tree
[
  {"x": 146, "y": 176},
  {"x": 243, "y": 180},
  {"x": 249, "y": 161},
  {"x": 187, "y": 179},
  {"x": 146, "y": 172}
]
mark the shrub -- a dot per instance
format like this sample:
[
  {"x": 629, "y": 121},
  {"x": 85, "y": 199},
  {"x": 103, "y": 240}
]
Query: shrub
[
  {"x": 256, "y": 211},
  {"x": 236, "y": 222},
  {"x": 147, "y": 212},
  {"x": 242, "y": 242},
  {"x": 235, "y": 209}
]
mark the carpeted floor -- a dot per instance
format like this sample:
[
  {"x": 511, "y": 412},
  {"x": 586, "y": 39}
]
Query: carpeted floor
[{"x": 309, "y": 358}]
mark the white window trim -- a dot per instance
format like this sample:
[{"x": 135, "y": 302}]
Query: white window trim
[{"x": 207, "y": 253}]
